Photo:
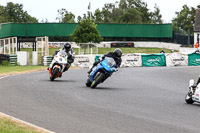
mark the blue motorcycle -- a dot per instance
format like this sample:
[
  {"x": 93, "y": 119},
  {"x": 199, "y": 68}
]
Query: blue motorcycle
[{"x": 101, "y": 72}]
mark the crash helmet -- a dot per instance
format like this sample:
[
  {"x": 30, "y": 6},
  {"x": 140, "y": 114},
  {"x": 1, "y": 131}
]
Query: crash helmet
[
  {"x": 67, "y": 47},
  {"x": 117, "y": 53}
]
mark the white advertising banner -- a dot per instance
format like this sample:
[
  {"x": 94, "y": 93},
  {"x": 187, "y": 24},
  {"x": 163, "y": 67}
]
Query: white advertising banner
[
  {"x": 84, "y": 60},
  {"x": 176, "y": 59},
  {"x": 131, "y": 60}
]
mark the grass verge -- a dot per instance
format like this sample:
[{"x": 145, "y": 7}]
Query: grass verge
[
  {"x": 9, "y": 125},
  {"x": 11, "y": 70}
]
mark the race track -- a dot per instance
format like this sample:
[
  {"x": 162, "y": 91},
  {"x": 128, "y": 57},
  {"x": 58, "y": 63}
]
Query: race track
[{"x": 133, "y": 100}]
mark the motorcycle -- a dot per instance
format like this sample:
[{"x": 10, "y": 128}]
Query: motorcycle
[
  {"x": 101, "y": 72},
  {"x": 58, "y": 65},
  {"x": 194, "y": 92}
]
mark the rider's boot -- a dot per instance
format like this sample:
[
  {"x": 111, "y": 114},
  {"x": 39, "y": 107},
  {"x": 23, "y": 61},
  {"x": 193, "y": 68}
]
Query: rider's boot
[{"x": 66, "y": 67}]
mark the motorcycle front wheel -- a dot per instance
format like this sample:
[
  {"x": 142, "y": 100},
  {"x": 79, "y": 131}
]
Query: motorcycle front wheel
[
  {"x": 188, "y": 98},
  {"x": 88, "y": 83},
  {"x": 55, "y": 72},
  {"x": 97, "y": 80}
]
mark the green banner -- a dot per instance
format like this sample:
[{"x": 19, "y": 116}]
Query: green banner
[
  {"x": 194, "y": 59},
  {"x": 153, "y": 60}
]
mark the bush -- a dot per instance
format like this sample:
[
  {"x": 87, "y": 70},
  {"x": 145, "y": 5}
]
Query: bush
[{"x": 5, "y": 63}]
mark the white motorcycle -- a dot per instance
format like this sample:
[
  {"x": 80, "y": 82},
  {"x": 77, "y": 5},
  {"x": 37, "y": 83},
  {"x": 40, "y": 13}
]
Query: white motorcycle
[
  {"x": 194, "y": 92},
  {"x": 58, "y": 65}
]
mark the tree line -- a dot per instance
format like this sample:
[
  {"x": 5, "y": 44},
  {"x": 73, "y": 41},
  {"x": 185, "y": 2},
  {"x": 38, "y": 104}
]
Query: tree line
[{"x": 124, "y": 11}]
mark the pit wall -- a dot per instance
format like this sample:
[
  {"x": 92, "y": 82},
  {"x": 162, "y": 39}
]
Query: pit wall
[{"x": 145, "y": 60}]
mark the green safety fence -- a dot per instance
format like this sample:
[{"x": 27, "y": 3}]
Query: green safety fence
[
  {"x": 152, "y": 60},
  {"x": 194, "y": 59}
]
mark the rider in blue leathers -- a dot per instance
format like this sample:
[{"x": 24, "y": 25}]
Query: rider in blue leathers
[{"x": 116, "y": 55}]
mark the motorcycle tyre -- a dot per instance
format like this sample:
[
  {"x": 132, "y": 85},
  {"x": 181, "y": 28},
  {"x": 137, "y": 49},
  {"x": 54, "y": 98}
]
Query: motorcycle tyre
[
  {"x": 97, "y": 80},
  {"x": 188, "y": 99},
  {"x": 54, "y": 74},
  {"x": 88, "y": 84}
]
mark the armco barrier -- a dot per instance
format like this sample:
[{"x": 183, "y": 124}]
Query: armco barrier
[
  {"x": 194, "y": 59},
  {"x": 152, "y": 60}
]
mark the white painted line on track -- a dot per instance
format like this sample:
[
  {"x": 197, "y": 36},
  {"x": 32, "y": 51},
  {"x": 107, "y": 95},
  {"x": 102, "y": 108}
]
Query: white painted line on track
[{"x": 3, "y": 77}]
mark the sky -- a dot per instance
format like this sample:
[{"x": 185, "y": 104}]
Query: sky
[{"x": 47, "y": 9}]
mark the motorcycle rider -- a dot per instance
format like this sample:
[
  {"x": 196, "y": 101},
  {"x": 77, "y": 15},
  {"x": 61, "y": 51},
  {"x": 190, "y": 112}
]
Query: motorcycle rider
[
  {"x": 70, "y": 55},
  {"x": 116, "y": 55}
]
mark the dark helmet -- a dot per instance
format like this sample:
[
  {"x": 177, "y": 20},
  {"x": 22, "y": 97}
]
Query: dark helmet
[
  {"x": 117, "y": 53},
  {"x": 67, "y": 47}
]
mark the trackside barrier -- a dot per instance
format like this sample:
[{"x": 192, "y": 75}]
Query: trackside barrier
[
  {"x": 13, "y": 60},
  {"x": 176, "y": 59},
  {"x": 84, "y": 60},
  {"x": 131, "y": 60},
  {"x": 97, "y": 57},
  {"x": 47, "y": 60},
  {"x": 152, "y": 60},
  {"x": 139, "y": 60},
  {"x": 194, "y": 59}
]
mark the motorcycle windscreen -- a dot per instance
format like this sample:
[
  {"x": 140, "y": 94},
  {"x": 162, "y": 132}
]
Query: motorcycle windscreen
[
  {"x": 62, "y": 58},
  {"x": 109, "y": 64}
]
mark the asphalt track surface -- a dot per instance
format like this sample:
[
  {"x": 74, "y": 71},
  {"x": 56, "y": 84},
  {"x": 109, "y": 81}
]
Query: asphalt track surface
[{"x": 133, "y": 100}]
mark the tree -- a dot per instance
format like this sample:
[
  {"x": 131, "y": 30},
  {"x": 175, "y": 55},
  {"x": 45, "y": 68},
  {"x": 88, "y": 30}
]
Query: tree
[
  {"x": 65, "y": 17},
  {"x": 15, "y": 13},
  {"x": 127, "y": 11},
  {"x": 86, "y": 32},
  {"x": 184, "y": 20},
  {"x": 156, "y": 17}
]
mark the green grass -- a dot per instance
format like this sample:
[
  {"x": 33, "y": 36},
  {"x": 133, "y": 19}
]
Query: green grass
[
  {"x": 17, "y": 69},
  {"x": 9, "y": 126},
  {"x": 133, "y": 50}
]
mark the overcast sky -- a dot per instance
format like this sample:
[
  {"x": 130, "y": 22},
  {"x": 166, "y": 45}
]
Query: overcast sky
[{"x": 47, "y": 9}]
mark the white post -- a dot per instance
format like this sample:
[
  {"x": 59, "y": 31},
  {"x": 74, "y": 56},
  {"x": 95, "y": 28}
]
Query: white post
[
  {"x": 9, "y": 45},
  {"x": 42, "y": 45},
  {"x": 16, "y": 44},
  {"x": 13, "y": 46},
  {"x": 47, "y": 46},
  {"x": 4, "y": 46}
]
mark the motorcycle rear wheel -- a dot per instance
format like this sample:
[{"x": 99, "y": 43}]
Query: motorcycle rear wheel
[
  {"x": 97, "y": 80},
  {"x": 54, "y": 73},
  {"x": 188, "y": 98}
]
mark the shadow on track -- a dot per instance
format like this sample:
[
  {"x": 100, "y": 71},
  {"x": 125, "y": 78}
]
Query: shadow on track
[
  {"x": 102, "y": 88},
  {"x": 60, "y": 81}
]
